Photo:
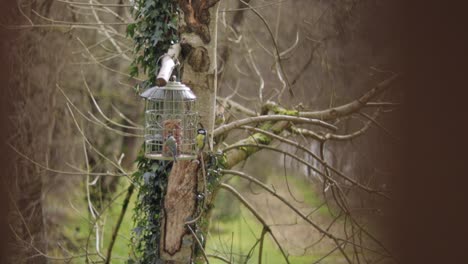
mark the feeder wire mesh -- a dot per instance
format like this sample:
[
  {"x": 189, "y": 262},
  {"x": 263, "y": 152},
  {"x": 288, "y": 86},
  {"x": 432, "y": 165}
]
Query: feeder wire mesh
[{"x": 170, "y": 110}]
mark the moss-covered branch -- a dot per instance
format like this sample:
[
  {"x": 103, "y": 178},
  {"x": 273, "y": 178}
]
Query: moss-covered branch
[
  {"x": 234, "y": 156},
  {"x": 339, "y": 111},
  {"x": 225, "y": 128},
  {"x": 283, "y": 116}
]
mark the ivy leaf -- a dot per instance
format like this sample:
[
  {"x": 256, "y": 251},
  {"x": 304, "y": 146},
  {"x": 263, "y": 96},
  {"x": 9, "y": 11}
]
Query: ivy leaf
[
  {"x": 154, "y": 167},
  {"x": 137, "y": 230},
  {"x": 152, "y": 33},
  {"x": 131, "y": 29},
  {"x": 154, "y": 13},
  {"x": 130, "y": 261},
  {"x": 155, "y": 39},
  {"x": 144, "y": 26},
  {"x": 133, "y": 70},
  {"x": 137, "y": 174},
  {"x": 147, "y": 176},
  {"x": 148, "y": 5}
]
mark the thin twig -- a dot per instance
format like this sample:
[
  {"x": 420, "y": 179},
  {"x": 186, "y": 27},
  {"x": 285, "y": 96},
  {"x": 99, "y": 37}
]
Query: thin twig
[
  {"x": 119, "y": 222},
  {"x": 281, "y": 71},
  {"x": 198, "y": 242},
  {"x": 64, "y": 172},
  {"x": 91, "y": 4}
]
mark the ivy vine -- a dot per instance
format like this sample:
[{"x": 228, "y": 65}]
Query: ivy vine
[
  {"x": 151, "y": 180},
  {"x": 154, "y": 31}
]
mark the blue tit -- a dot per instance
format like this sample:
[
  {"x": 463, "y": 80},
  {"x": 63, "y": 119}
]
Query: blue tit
[
  {"x": 171, "y": 144},
  {"x": 201, "y": 139},
  {"x": 219, "y": 117}
]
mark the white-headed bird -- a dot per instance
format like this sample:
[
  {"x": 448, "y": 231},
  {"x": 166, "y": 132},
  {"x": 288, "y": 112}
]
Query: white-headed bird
[
  {"x": 171, "y": 144},
  {"x": 201, "y": 139}
]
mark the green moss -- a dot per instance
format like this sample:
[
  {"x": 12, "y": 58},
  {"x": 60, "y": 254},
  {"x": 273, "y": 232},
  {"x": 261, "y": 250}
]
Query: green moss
[
  {"x": 290, "y": 112},
  {"x": 222, "y": 160},
  {"x": 255, "y": 139},
  {"x": 261, "y": 138},
  {"x": 245, "y": 149},
  {"x": 266, "y": 126},
  {"x": 281, "y": 111}
]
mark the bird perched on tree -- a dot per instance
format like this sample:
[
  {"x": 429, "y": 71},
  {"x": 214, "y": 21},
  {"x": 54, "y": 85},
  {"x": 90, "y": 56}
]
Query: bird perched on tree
[
  {"x": 171, "y": 144},
  {"x": 219, "y": 117},
  {"x": 201, "y": 139}
]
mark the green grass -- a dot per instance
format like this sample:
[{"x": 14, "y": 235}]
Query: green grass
[
  {"x": 77, "y": 227},
  {"x": 309, "y": 195},
  {"x": 239, "y": 236},
  {"x": 233, "y": 237},
  {"x": 238, "y": 232}
]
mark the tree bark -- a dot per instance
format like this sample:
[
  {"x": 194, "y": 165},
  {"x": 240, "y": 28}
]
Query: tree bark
[
  {"x": 179, "y": 206},
  {"x": 198, "y": 41}
]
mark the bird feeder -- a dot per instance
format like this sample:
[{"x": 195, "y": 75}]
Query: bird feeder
[{"x": 170, "y": 111}]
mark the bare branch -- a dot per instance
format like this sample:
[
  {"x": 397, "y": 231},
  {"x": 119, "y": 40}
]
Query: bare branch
[
  {"x": 64, "y": 172},
  {"x": 307, "y": 133},
  {"x": 220, "y": 258},
  {"x": 104, "y": 66},
  {"x": 254, "y": 7},
  {"x": 372, "y": 119},
  {"x": 255, "y": 213},
  {"x": 111, "y": 39},
  {"x": 352, "y": 181},
  {"x": 351, "y": 135},
  {"x": 124, "y": 117},
  {"x": 69, "y": 23},
  {"x": 382, "y": 104},
  {"x": 236, "y": 106},
  {"x": 225, "y": 128},
  {"x": 292, "y": 48},
  {"x": 119, "y": 222},
  {"x": 257, "y": 71},
  {"x": 91, "y": 4},
  {"x": 91, "y": 145},
  {"x": 95, "y": 120},
  {"x": 281, "y": 72},
  {"x": 99, "y": 108},
  {"x": 354, "y": 106},
  {"x": 199, "y": 243},
  {"x": 260, "y": 250}
]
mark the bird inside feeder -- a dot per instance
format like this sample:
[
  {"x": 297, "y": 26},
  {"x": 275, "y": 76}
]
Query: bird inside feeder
[{"x": 170, "y": 122}]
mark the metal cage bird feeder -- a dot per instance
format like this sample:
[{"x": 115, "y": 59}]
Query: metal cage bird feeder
[{"x": 170, "y": 111}]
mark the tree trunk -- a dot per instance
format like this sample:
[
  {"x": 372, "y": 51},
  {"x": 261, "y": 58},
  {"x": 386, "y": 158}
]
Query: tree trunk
[{"x": 198, "y": 41}]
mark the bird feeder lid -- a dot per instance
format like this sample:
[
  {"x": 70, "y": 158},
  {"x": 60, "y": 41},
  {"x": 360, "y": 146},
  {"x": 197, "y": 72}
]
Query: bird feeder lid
[{"x": 161, "y": 93}]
